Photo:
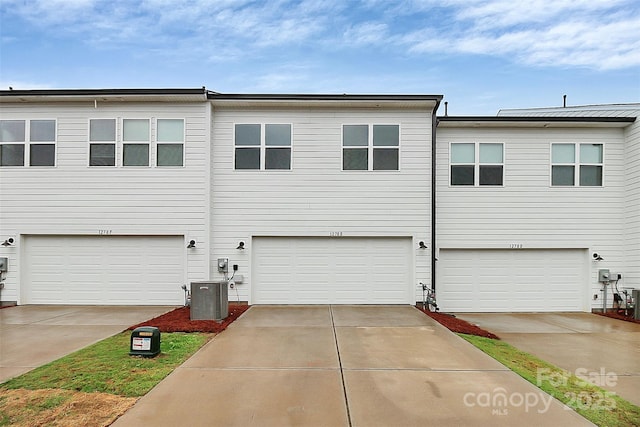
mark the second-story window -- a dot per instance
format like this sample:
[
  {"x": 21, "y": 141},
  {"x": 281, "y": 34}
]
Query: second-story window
[
  {"x": 262, "y": 146},
  {"x": 170, "y": 142},
  {"x": 102, "y": 142},
  {"x": 476, "y": 164},
  {"x": 370, "y": 147},
  {"x": 135, "y": 142},
  {"x": 576, "y": 164}
]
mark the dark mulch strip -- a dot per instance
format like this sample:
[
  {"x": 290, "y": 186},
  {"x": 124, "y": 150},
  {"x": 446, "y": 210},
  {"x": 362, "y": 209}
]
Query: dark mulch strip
[
  {"x": 179, "y": 320},
  {"x": 614, "y": 315},
  {"x": 458, "y": 325}
]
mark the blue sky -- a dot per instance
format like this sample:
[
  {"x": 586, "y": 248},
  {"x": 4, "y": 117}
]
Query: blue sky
[{"x": 481, "y": 55}]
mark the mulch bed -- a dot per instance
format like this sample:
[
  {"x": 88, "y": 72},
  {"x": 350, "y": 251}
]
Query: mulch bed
[
  {"x": 179, "y": 320},
  {"x": 458, "y": 325},
  {"x": 614, "y": 315}
]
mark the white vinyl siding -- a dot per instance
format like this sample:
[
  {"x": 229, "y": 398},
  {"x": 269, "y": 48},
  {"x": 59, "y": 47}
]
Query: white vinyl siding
[
  {"x": 316, "y": 198},
  {"x": 324, "y": 270},
  {"x": 528, "y": 212},
  {"x": 103, "y": 270},
  {"x": 76, "y": 199},
  {"x": 518, "y": 280}
]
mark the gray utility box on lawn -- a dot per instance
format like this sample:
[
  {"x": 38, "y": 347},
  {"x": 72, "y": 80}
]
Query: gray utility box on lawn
[
  {"x": 636, "y": 300},
  {"x": 209, "y": 300}
]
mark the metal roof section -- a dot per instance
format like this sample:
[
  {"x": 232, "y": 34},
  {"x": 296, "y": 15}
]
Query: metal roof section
[
  {"x": 575, "y": 109},
  {"x": 104, "y": 95},
  {"x": 533, "y": 121},
  {"x": 325, "y": 100}
]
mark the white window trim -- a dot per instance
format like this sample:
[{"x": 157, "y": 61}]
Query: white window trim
[
  {"x": 263, "y": 147},
  {"x": 370, "y": 148},
  {"x": 155, "y": 143},
  {"x": 116, "y": 162},
  {"x": 576, "y": 165},
  {"x": 148, "y": 142},
  {"x": 476, "y": 165},
  {"x": 27, "y": 142}
]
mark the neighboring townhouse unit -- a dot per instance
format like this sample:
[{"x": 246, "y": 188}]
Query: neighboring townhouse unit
[
  {"x": 122, "y": 196},
  {"x": 526, "y": 206},
  {"x": 100, "y": 191}
]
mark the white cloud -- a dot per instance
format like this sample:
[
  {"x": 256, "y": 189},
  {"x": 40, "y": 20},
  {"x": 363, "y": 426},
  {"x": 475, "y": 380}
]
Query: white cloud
[{"x": 601, "y": 34}]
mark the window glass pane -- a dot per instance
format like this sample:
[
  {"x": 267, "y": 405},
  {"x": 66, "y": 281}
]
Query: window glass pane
[
  {"x": 490, "y": 153},
  {"x": 490, "y": 175},
  {"x": 562, "y": 175},
  {"x": 170, "y": 155},
  {"x": 135, "y": 155},
  {"x": 248, "y": 135},
  {"x": 385, "y": 159},
  {"x": 386, "y": 135},
  {"x": 102, "y": 155},
  {"x": 355, "y": 135},
  {"x": 277, "y": 158},
  {"x": 463, "y": 153},
  {"x": 11, "y": 130},
  {"x": 462, "y": 175},
  {"x": 12, "y": 155},
  {"x": 42, "y": 154},
  {"x": 590, "y": 153},
  {"x": 102, "y": 130},
  {"x": 170, "y": 130},
  {"x": 355, "y": 159},
  {"x": 563, "y": 153},
  {"x": 277, "y": 135},
  {"x": 591, "y": 176},
  {"x": 247, "y": 158},
  {"x": 135, "y": 130},
  {"x": 42, "y": 130}
]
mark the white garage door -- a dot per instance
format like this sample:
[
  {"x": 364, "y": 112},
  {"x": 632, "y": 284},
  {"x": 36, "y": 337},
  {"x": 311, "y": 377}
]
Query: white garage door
[
  {"x": 103, "y": 270},
  {"x": 340, "y": 270},
  {"x": 512, "y": 280}
]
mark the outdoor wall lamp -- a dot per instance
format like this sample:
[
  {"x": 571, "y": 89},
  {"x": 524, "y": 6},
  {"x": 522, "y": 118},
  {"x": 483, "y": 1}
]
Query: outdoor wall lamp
[
  {"x": 7, "y": 242},
  {"x": 421, "y": 245},
  {"x": 597, "y": 257},
  {"x": 192, "y": 244},
  {"x": 240, "y": 245}
]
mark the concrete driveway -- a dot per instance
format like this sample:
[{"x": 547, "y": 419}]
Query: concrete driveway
[
  {"x": 343, "y": 366},
  {"x": 603, "y": 350},
  {"x": 32, "y": 335}
]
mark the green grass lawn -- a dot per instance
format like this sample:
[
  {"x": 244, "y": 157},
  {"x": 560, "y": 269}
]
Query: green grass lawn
[
  {"x": 599, "y": 406},
  {"x": 107, "y": 367}
]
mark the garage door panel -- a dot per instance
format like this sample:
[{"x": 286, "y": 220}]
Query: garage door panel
[
  {"x": 105, "y": 270},
  {"x": 506, "y": 280},
  {"x": 331, "y": 271}
]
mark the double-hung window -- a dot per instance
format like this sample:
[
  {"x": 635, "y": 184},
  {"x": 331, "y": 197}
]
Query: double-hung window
[
  {"x": 41, "y": 135},
  {"x": 170, "y": 142},
  {"x": 12, "y": 141},
  {"x": 370, "y": 147},
  {"x": 135, "y": 142},
  {"x": 102, "y": 142},
  {"x": 476, "y": 164},
  {"x": 576, "y": 164},
  {"x": 262, "y": 146}
]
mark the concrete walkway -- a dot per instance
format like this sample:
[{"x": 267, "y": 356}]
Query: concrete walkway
[
  {"x": 32, "y": 335},
  {"x": 343, "y": 366},
  {"x": 602, "y": 350}
]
